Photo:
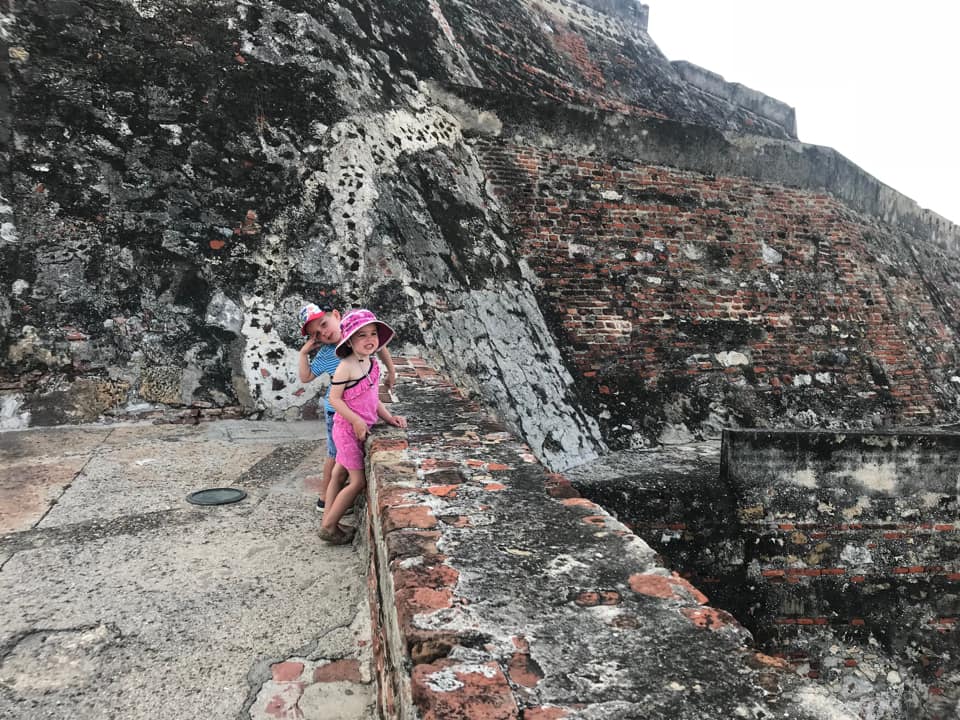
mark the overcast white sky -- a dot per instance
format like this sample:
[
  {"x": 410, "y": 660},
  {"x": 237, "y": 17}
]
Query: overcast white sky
[{"x": 877, "y": 80}]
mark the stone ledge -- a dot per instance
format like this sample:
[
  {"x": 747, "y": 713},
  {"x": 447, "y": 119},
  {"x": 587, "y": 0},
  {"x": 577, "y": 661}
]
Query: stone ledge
[{"x": 498, "y": 592}]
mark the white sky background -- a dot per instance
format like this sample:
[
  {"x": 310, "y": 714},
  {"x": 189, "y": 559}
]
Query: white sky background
[{"x": 878, "y": 81}]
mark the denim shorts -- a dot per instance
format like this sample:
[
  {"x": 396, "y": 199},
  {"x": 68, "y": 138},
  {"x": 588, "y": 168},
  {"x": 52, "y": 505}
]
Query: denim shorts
[{"x": 331, "y": 446}]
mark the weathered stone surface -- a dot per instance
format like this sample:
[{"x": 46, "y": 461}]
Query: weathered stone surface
[
  {"x": 836, "y": 550},
  {"x": 120, "y": 598},
  {"x": 183, "y": 176},
  {"x": 295, "y": 160},
  {"x": 547, "y": 607},
  {"x": 658, "y": 279},
  {"x": 450, "y": 689}
]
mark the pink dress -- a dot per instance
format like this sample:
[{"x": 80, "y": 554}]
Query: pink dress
[{"x": 363, "y": 397}]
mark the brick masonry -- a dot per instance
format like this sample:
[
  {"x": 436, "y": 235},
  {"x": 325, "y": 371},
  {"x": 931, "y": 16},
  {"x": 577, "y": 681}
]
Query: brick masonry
[
  {"x": 854, "y": 533},
  {"x": 837, "y": 551},
  {"x": 687, "y": 302}
]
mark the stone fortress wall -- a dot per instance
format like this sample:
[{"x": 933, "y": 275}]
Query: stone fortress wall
[
  {"x": 690, "y": 301},
  {"x": 609, "y": 250},
  {"x": 497, "y": 591},
  {"x": 849, "y": 536}
]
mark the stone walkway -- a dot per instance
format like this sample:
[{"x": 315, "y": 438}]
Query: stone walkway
[{"x": 121, "y": 600}]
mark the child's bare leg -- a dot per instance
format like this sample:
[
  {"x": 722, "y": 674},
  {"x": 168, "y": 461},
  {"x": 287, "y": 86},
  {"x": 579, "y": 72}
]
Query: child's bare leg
[
  {"x": 337, "y": 475},
  {"x": 344, "y": 499},
  {"x": 341, "y": 474},
  {"x": 328, "y": 464}
]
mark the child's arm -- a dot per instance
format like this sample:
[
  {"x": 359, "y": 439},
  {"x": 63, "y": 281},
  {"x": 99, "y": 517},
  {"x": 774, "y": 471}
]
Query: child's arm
[
  {"x": 391, "y": 379},
  {"x": 306, "y": 374},
  {"x": 342, "y": 375},
  {"x": 384, "y": 414}
]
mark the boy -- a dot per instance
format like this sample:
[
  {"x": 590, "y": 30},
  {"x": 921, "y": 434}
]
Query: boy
[{"x": 321, "y": 324}]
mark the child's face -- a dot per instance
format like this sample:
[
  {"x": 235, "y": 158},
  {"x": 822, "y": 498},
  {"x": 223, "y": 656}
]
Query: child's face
[
  {"x": 365, "y": 340},
  {"x": 325, "y": 329}
]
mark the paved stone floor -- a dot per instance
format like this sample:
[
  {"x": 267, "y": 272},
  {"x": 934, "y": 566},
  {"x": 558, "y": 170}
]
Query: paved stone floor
[{"x": 122, "y": 600}]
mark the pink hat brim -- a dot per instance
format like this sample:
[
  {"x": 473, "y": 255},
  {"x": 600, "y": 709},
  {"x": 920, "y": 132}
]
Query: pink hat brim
[{"x": 385, "y": 334}]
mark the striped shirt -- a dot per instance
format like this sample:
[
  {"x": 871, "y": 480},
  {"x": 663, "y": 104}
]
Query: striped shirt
[{"x": 325, "y": 362}]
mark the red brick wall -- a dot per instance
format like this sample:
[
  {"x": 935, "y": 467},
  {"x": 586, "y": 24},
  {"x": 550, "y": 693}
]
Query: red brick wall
[
  {"x": 648, "y": 273},
  {"x": 853, "y": 535}
]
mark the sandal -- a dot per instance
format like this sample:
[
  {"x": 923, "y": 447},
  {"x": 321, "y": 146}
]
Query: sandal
[{"x": 335, "y": 536}]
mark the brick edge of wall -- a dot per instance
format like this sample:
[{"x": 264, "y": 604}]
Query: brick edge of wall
[{"x": 405, "y": 657}]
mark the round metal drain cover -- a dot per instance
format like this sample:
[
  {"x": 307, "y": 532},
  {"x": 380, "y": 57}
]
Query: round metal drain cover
[{"x": 216, "y": 496}]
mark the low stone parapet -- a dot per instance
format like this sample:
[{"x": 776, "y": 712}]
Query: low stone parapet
[{"x": 498, "y": 592}]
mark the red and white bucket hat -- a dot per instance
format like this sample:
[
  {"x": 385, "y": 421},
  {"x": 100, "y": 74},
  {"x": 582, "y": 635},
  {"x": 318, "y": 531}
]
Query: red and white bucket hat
[{"x": 310, "y": 312}]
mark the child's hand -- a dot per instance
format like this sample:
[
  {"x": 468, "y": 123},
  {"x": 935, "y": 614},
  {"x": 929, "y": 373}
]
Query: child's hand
[
  {"x": 360, "y": 430},
  {"x": 398, "y": 420},
  {"x": 310, "y": 344}
]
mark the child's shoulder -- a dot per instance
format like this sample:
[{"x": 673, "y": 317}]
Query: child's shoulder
[{"x": 348, "y": 368}]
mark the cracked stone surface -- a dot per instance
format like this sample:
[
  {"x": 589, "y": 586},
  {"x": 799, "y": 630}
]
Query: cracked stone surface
[{"x": 122, "y": 600}]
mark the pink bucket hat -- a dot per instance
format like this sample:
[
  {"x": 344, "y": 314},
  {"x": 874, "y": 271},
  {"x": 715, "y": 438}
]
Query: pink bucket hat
[{"x": 353, "y": 321}]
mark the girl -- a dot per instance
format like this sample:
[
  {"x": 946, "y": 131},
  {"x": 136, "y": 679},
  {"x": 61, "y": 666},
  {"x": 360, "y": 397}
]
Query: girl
[
  {"x": 354, "y": 394},
  {"x": 321, "y": 325}
]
